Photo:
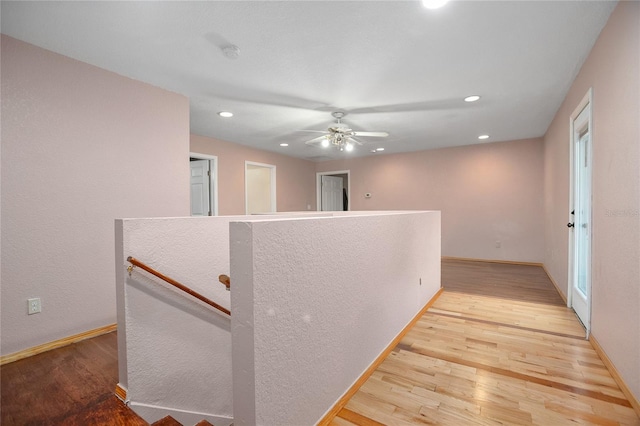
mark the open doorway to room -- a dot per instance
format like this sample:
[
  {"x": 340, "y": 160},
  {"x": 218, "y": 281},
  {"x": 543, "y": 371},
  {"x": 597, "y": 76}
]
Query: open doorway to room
[
  {"x": 260, "y": 188},
  {"x": 204, "y": 184},
  {"x": 333, "y": 190}
]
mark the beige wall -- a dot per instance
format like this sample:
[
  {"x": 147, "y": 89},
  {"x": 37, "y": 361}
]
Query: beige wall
[
  {"x": 486, "y": 192},
  {"x": 81, "y": 146},
  {"x": 613, "y": 72},
  {"x": 258, "y": 189},
  {"x": 295, "y": 178}
]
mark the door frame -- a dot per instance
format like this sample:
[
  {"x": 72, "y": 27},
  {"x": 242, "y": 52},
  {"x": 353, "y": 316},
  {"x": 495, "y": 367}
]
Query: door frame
[
  {"x": 272, "y": 168},
  {"x": 213, "y": 178},
  {"x": 587, "y": 100},
  {"x": 319, "y": 187}
]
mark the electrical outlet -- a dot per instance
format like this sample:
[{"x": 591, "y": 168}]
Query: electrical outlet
[{"x": 34, "y": 305}]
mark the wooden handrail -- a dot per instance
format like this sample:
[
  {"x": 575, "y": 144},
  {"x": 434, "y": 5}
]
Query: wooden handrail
[
  {"x": 176, "y": 284},
  {"x": 224, "y": 279}
]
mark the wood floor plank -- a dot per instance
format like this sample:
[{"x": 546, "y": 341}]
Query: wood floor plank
[
  {"x": 498, "y": 347},
  {"x": 339, "y": 421},
  {"x": 516, "y": 282},
  {"x": 357, "y": 419},
  {"x": 72, "y": 385},
  {"x": 110, "y": 411},
  {"x": 501, "y": 348}
]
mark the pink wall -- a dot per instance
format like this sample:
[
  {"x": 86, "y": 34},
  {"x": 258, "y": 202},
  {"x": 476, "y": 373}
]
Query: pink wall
[
  {"x": 295, "y": 178},
  {"x": 486, "y": 192},
  {"x": 80, "y": 147},
  {"x": 612, "y": 70}
]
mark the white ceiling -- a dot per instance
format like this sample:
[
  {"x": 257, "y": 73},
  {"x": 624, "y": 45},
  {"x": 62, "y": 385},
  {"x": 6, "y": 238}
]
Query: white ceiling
[{"x": 392, "y": 66}]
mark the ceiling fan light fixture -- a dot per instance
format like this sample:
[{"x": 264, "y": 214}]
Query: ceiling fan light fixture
[
  {"x": 434, "y": 4},
  {"x": 341, "y": 137},
  {"x": 472, "y": 98}
]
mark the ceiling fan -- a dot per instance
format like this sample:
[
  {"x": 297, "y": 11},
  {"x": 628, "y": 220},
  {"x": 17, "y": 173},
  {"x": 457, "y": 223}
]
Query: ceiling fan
[{"x": 340, "y": 135}]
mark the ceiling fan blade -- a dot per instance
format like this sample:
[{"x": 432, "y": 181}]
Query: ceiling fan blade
[
  {"x": 312, "y": 131},
  {"x": 315, "y": 140},
  {"x": 372, "y": 134},
  {"x": 355, "y": 140}
]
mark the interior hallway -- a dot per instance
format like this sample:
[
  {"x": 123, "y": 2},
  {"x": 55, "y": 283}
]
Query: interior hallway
[{"x": 497, "y": 347}]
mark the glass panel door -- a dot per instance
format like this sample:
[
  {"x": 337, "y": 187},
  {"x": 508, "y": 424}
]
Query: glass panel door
[{"x": 580, "y": 294}]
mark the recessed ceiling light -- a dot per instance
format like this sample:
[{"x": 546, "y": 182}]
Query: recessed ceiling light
[
  {"x": 483, "y": 137},
  {"x": 284, "y": 144},
  {"x": 471, "y": 98},
  {"x": 379, "y": 149},
  {"x": 225, "y": 114},
  {"x": 434, "y": 4}
]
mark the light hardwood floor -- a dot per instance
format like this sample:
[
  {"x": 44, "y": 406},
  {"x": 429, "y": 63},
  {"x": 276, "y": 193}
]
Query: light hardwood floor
[{"x": 497, "y": 347}]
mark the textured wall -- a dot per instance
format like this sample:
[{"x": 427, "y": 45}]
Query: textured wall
[
  {"x": 80, "y": 147},
  {"x": 295, "y": 178},
  {"x": 486, "y": 192},
  {"x": 166, "y": 341},
  {"x": 613, "y": 71},
  {"x": 175, "y": 353},
  {"x": 316, "y": 300}
]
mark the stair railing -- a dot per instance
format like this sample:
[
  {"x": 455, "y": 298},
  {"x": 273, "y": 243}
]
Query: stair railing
[{"x": 184, "y": 288}]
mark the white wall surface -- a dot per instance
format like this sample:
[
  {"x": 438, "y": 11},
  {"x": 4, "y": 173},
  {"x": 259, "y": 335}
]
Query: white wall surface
[
  {"x": 80, "y": 147},
  {"x": 175, "y": 352},
  {"x": 315, "y": 300}
]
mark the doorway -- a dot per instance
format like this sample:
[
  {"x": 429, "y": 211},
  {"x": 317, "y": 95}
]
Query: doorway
[
  {"x": 259, "y": 188},
  {"x": 333, "y": 191},
  {"x": 204, "y": 184},
  {"x": 580, "y": 225}
]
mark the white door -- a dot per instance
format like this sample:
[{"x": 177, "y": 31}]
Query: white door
[
  {"x": 581, "y": 223},
  {"x": 332, "y": 194},
  {"x": 200, "y": 204}
]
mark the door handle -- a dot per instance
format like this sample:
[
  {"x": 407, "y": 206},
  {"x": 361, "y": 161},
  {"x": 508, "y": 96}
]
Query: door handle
[{"x": 569, "y": 225}]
